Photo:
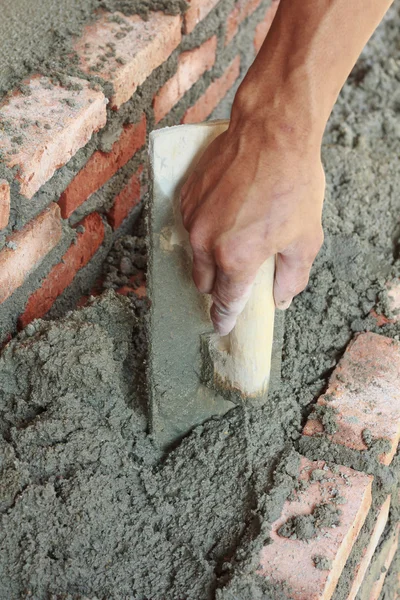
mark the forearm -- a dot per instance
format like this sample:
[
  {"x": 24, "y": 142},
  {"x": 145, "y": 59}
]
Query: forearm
[{"x": 305, "y": 60}]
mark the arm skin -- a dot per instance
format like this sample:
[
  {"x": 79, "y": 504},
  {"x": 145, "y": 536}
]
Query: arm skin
[{"x": 258, "y": 190}]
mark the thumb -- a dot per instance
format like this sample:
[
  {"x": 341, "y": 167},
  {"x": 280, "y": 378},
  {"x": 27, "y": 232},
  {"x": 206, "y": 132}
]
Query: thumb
[{"x": 291, "y": 277}]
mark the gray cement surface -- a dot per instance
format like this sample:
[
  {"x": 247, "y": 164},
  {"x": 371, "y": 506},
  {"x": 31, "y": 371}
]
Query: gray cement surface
[{"x": 89, "y": 507}]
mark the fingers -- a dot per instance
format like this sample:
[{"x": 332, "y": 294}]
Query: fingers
[
  {"x": 292, "y": 272},
  {"x": 229, "y": 295},
  {"x": 204, "y": 270}
]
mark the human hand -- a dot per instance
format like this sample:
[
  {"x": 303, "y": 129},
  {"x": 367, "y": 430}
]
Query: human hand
[{"x": 252, "y": 196}]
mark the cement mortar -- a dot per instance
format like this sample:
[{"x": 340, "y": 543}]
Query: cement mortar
[
  {"x": 89, "y": 507},
  {"x": 30, "y": 33}
]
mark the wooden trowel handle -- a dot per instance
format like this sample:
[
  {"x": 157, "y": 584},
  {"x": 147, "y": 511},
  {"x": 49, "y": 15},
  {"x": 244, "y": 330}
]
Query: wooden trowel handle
[{"x": 242, "y": 359}]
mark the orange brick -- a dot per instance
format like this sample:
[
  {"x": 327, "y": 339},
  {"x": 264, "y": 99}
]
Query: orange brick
[
  {"x": 263, "y": 27},
  {"x": 26, "y": 248},
  {"x": 242, "y": 10},
  {"x": 292, "y": 560},
  {"x": 46, "y": 126},
  {"x": 101, "y": 166},
  {"x": 126, "y": 200},
  {"x": 363, "y": 565},
  {"x": 364, "y": 389},
  {"x": 197, "y": 11},
  {"x": 4, "y": 203},
  {"x": 125, "y": 50},
  {"x": 191, "y": 66},
  {"x": 62, "y": 275},
  {"x": 213, "y": 95},
  {"x": 393, "y": 288},
  {"x": 386, "y": 556}
]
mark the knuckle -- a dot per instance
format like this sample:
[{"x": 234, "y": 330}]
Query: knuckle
[
  {"x": 197, "y": 240},
  {"x": 309, "y": 250},
  {"x": 226, "y": 259}
]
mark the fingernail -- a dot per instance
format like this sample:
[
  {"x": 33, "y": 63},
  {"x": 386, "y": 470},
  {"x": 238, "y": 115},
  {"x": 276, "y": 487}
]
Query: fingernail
[{"x": 284, "y": 304}]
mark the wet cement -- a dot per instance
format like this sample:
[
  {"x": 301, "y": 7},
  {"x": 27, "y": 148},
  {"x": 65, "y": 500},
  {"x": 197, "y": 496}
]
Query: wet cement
[{"x": 89, "y": 506}]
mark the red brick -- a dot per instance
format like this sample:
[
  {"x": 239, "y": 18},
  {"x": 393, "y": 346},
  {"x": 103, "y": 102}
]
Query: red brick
[
  {"x": 125, "y": 50},
  {"x": 292, "y": 560},
  {"x": 191, "y": 66},
  {"x": 27, "y": 248},
  {"x": 135, "y": 280},
  {"x": 365, "y": 391},
  {"x": 197, "y": 11},
  {"x": 62, "y": 275},
  {"x": 386, "y": 557},
  {"x": 213, "y": 95},
  {"x": 126, "y": 200},
  {"x": 368, "y": 553},
  {"x": 101, "y": 166},
  {"x": 263, "y": 27},
  {"x": 4, "y": 203},
  {"x": 242, "y": 10},
  {"x": 45, "y": 128},
  {"x": 393, "y": 288}
]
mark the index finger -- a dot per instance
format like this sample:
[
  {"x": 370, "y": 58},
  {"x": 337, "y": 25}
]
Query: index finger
[{"x": 229, "y": 295}]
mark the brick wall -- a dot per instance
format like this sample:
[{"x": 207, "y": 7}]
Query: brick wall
[
  {"x": 73, "y": 173},
  {"x": 73, "y": 147}
]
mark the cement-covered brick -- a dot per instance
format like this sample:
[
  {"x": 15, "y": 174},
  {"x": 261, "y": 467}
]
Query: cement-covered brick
[
  {"x": 89, "y": 238},
  {"x": 197, "y": 11},
  {"x": 363, "y": 396},
  {"x": 191, "y": 66},
  {"x": 264, "y": 26},
  {"x": 241, "y": 10},
  {"x": 125, "y": 201},
  {"x": 45, "y": 125},
  {"x": 362, "y": 567},
  {"x": 393, "y": 292},
  {"x": 293, "y": 561},
  {"x": 101, "y": 166},
  {"x": 213, "y": 95},
  {"x": 25, "y": 249},
  {"x": 126, "y": 49},
  {"x": 4, "y": 203}
]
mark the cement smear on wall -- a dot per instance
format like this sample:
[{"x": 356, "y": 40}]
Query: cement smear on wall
[
  {"x": 33, "y": 31},
  {"x": 89, "y": 507}
]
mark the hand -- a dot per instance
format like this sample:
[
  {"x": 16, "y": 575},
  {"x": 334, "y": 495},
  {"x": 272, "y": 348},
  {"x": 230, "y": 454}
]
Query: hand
[{"x": 252, "y": 195}]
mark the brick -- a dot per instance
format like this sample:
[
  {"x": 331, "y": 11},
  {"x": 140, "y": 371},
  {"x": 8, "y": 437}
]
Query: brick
[
  {"x": 125, "y": 50},
  {"x": 197, "y": 11},
  {"x": 191, "y": 66},
  {"x": 26, "y": 248},
  {"x": 136, "y": 285},
  {"x": 364, "y": 389},
  {"x": 263, "y": 27},
  {"x": 385, "y": 558},
  {"x": 292, "y": 560},
  {"x": 62, "y": 274},
  {"x": 4, "y": 203},
  {"x": 101, "y": 166},
  {"x": 393, "y": 288},
  {"x": 213, "y": 95},
  {"x": 125, "y": 201},
  {"x": 241, "y": 10},
  {"x": 368, "y": 553},
  {"x": 45, "y": 126}
]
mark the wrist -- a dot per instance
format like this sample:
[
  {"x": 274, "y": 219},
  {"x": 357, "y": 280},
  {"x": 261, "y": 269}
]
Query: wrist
[
  {"x": 284, "y": 99},
  {"x": 284, "y": 117}
]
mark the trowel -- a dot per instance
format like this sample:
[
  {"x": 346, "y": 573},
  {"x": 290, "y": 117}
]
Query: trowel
[{"x": 193, "y": 373}]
